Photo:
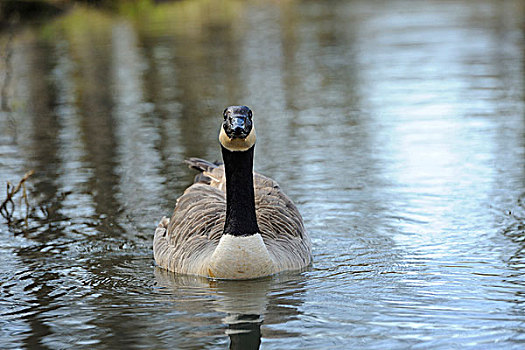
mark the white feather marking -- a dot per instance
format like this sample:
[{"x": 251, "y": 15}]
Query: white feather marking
[
  {"x": 237, "y": 144},
  {"x": 241, "y": 257}
]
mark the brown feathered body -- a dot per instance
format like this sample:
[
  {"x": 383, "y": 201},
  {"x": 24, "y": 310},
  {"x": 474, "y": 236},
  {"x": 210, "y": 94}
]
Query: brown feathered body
[{"x": 186, "y": 242}]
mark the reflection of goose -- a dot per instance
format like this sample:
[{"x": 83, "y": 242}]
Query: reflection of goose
[
  {"x": 232, "y": 223},
  {"x": 243, "y": 307},
  {"x": 244, "y": 303}
]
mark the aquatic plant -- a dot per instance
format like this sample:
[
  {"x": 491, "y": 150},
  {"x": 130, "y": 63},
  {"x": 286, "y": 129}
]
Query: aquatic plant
[{"x": 7, "y": 209}]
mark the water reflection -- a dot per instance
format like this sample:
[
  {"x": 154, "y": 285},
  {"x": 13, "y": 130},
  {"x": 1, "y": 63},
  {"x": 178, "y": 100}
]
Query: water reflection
[
  {"x": 397, "y": 128},
  {"x": 245, "y": 304}
]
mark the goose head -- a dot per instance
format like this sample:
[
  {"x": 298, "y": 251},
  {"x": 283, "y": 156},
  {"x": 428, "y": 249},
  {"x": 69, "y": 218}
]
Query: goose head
[{"x": 237, "y": 131}]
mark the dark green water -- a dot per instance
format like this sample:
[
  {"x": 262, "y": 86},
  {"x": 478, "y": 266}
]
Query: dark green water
[{"x": 397, "y": 127}]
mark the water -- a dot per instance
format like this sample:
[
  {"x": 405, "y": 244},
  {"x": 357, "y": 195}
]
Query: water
[{"x": 397, "y": 127}]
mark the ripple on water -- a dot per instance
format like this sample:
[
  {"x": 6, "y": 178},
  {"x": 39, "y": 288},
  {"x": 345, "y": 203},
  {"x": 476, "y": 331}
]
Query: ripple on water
[{"x": 396, "y": 127}]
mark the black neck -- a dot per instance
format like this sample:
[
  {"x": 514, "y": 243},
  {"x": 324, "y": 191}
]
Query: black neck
[{"x": 240, "y": 197}]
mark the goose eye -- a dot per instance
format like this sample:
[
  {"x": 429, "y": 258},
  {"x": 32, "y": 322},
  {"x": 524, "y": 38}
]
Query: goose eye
[{"x": 225, "y": 113}]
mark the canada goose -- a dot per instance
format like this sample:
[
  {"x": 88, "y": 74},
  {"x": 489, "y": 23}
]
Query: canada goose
[{"x": 232, "y": 223}]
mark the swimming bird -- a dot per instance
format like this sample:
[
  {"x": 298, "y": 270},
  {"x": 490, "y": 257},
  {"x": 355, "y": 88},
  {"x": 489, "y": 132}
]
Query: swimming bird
[{"x": 232, "y": 223}]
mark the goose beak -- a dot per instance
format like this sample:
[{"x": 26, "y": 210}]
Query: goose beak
[{"x": 238, "y": 127}]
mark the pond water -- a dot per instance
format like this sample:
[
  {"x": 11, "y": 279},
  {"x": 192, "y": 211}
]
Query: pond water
[{"x": 397, "y": 127}]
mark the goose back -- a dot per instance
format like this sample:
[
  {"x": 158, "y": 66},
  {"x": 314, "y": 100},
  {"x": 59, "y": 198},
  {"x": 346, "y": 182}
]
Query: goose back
[{"x": 186, "y": 242}]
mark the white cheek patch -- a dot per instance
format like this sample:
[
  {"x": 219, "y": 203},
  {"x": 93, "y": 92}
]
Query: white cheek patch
[{"x": 237, "y": 144}]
